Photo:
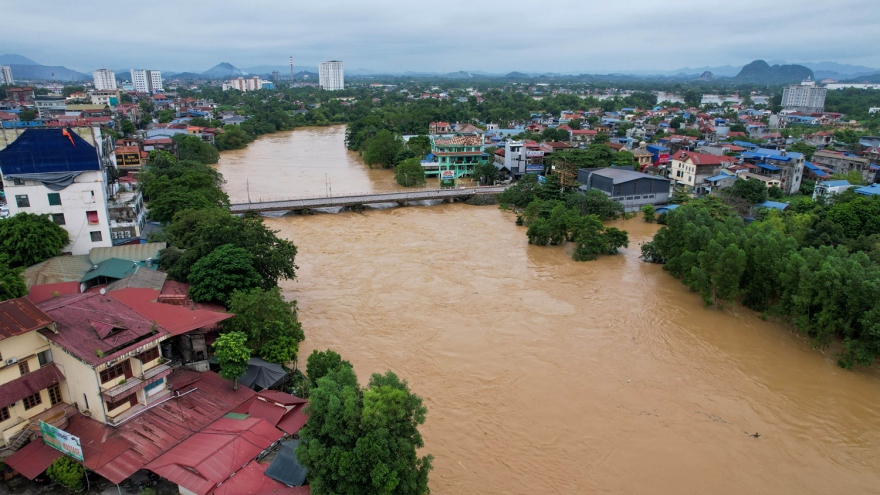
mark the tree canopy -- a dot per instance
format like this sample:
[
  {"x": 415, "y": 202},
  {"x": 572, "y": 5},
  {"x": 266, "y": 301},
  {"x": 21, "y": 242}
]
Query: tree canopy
[
  {"x": 225, "y": 269},
  {"x": 269, "y": 321},
  {"x": 410, "y": 173},
  {"x": 28, "y": 238},
  {"x": 190, "y": 147},
  {"x": 383, "y": 149},
  {"x": 233, "y": 355}
]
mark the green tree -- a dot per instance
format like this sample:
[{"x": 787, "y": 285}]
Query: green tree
[
  {"x": 775, "y": 192},
  {"x": 321, "y": 363},
  {"x": 67, "y": 472},
  {"x": 12, "y": 284},
  {"x": 648, "y": 213},
  {"x": 364, "y": 440},
  {"x": 27, "y": 115},
  {"x": 383, "y": 149},
  {"x": 269, "y": 321},
  {"x": 601, "y": 138},
  {"x": 166, "y": 116},
  {"x": 233, "y": 355},
  {"x": 807, "y": 187},
  {"x": 804, "y": 149},
  {"x": 847, "y": 136},
  {"x": 127, "y": 127},
  {"x": 190, "y": 147},
  {"x": 624, "y": 158},
  {"x": 419, "y": 145},
  {"x": 28, "y": 238},
  {"x": 693, "y": 98},
  {"x": 232, "y": 138},
  {"x": 217, "y": 275},
  {"x": 487, "y": 173},
  {"x": 191, "y": 191},
  {"x": 853, "y": 177},
  {"x": 752, "y": 190},
  {"x": 410, "y": 173},
  {"x": 199, "y": 232}
]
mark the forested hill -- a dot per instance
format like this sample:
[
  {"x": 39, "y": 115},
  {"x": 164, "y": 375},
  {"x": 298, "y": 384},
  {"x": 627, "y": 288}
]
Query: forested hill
[{"x": 761, "y": 72}]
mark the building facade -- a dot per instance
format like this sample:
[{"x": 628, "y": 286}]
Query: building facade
[
  {"x": 244, "y": 84},
  {"x": 146, "y": 81},
  {"x": 690, "y": 170},
  {"x": 805, "y": 97},
  {"x": 50, "y": 106},
  {"x": 58, "y": 173},
  {"x": 456, "y": 157},
  {"x": 843, "y": 164},
  {"x": 331, "y": 76},
  {"x": 104, "y": 79},
  {"x": 6, "y": 75},
  {"x": 629, "y": 187}
]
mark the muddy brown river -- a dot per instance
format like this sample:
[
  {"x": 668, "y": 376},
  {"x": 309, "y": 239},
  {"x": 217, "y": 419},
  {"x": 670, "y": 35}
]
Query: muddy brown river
[{"x": 544, "y": 375}]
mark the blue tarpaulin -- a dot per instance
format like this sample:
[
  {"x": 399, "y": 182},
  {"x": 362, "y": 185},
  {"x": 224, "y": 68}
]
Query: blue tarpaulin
[{"x": 39, "y": 151}]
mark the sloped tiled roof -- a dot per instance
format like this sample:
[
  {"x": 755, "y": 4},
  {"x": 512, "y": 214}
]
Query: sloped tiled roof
[
  {"x": 19, "y": 316},
  {"x": 131, "y": 252}
]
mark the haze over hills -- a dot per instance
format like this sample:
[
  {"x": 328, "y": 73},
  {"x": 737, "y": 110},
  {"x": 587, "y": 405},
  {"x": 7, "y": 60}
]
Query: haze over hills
[{"x": 25, "y": 69}]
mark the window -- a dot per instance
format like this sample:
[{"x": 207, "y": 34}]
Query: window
[
  {"x": 96, "y": 236},
  {"x": 58, "y": 218},
  {"x": 54, "y": 394},
  {"x": 18, "y": 182},
  {"x": 22, "y": 201},
  {"x": 92, "y": 217},
  {"x": 4, "y": 413},
  {"x": 54, "y": 199},
  {"x": 45, "y": 357},
  {"x": 23, "y": 368},
  {"x": 120, "y": 370},
  {"x": 32, "y": 401},
  {"x": 148, "y": 356}
]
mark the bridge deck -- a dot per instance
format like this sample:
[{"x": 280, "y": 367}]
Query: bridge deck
[{"x": 355, "y": 199}]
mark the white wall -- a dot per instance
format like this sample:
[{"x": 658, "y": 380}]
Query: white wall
[{"x": 87, "y": 193}]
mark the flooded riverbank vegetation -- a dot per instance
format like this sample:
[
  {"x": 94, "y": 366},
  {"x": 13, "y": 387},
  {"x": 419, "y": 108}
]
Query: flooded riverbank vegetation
[
  {"x": 814, "y": 265},
  {"x": 554, "y": 216}
]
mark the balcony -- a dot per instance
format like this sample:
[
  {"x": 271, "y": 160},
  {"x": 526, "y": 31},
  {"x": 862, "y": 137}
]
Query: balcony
[{"x": 134, "y": 384}]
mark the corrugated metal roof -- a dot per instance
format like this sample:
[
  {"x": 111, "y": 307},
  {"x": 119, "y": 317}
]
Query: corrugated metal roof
[
  {"x": 281, "y": 397},
  {"x": 29, "y": 384},
  {"x": 131, "y": 252},
  {"x": 19, "y": 316},
  {"x": 57, "y": 269},
  {"x": 252, "y": 480},
  {"x": 40, "y": 293},
  {"x": 212, "y": 455},
  {"x": 32, "y": 459},
  {"x": 175, "y": 319},
  {"x": 141, "y": 279},
  {"x": 114, "y": 268}
]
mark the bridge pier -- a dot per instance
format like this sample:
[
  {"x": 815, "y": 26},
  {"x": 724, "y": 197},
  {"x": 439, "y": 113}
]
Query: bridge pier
[
  {"x": 449, "y": 200},
  {"x": 403, "y": 203}
]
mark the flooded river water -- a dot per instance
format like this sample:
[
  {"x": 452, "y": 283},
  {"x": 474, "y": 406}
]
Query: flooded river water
[{"x": 544, "y": 375}]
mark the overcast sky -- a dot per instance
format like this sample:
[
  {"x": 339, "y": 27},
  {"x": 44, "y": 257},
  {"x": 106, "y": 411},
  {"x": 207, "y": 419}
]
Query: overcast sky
[{"x": 577, "y": 36}]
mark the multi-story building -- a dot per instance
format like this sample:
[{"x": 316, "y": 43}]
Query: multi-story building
[
  {"x": 6, "y": 75},
  {"x": 456, "y": 156},
  {"x": 21, "y": 96},
  {"x": 146, "y": 81},
  {"x": 127, "y": 214},
  {"x": 690, "y": 170},
  {"x": 244, "y": 84},
  {"x": 56, "y": 172},
  {"x": 50, "y": 106},
  {"x": 786, "y": 167},
  {"x": 331, "y": 76},
  {"x": 805, "y": 97},
  {"x": 104, "y": 79},
  {"x": 843, "y": 163},
  {"x": 109, "y": 97},
  {"x": 32, "y": 387}
]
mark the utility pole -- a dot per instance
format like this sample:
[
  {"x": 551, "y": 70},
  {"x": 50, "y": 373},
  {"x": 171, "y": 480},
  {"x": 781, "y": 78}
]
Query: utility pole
[{"x": 248, "y": 184}]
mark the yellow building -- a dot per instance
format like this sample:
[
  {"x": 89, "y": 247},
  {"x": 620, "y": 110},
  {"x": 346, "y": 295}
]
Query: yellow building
[{"x": 32, "y": 386}]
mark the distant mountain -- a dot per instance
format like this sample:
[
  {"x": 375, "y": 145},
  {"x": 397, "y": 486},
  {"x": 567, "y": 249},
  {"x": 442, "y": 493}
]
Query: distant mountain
[
  {"x": 761, "y": 72},
  {"x": 282, "y": 69},
  {"x": 516, "y": 75},
  {"x": 870, "y": 79},
  {"x": 840, "y": 69},
  {"x": 706, "y": 76},
  {"x": 223, "y": 70},
  {"x": 184, "y": 76},
  {"x": 12, "y": 59}
]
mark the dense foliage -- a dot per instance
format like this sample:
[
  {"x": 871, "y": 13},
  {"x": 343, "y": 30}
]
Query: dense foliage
[
  {"x": 269, "y": 321},
  {"x": 67, "y": 472},
  {"x": 190, "y": 147},
  {"x": 215, "y": 276},
  {"x": 12, "y": 284},
  {"x": 410, "y": 173},
  {"x": 363, "y": 440},
  {"x": 170, "y": 186},
  {"x": 28, "y": 238},
  {"x": 232, "y": 354},
  {"x": 815, "y": 265},
  {"x": 553, "y": 222}
]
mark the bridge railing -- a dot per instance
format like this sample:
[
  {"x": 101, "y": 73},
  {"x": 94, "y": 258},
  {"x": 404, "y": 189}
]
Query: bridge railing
[{"x": 398, "y": 192}]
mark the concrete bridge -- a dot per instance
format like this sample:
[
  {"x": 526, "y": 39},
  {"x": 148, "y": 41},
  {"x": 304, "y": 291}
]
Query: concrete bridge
[{"x": 400, "y": 197}]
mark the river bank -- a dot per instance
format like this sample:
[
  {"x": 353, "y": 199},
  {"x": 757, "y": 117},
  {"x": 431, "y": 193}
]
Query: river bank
[{"x": 546, "y": 375}]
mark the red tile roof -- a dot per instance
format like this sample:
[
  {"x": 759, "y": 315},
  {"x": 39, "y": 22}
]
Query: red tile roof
[
  {"x": 19, "y": 316},
  {"x": 211, "y": 456},
  {"x": 76, "y": 316},
  {"x": 175, "y": 319},
  {"x": 44, "y": 292},
  {"x": 584, "y": 132},
  {"x": 29, "y": 384},
  {"x": 703, "y": 159}
]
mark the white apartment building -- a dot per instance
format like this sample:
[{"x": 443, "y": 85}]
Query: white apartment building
[
  {"x": 146, "y": 81},
  {"x": 331, "y": 76},
  {"x": 805, "y": 97},
  {"x": 244, "y": 84},
  {"x": 58, "y": 172},
  {"x": 104, "y": 79},
  {"x": 6, "y": 75}
]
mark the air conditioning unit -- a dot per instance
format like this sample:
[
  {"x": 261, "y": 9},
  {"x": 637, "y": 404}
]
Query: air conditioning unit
[{"x": 11, "y": 361}]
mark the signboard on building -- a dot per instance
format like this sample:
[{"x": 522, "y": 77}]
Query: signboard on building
[
  {"x": 662, "y": 158},
  {"x": 534, "y": 154},
  {"x": 534, "y": 168},
  {"x": 61, "y": 440},
  {"x": 447, "y": 175}
]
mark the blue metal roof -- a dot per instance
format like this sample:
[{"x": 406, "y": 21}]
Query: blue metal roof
[
  {"x": 773, "y": 204},
  {"x": 816, "y": 170},
  {"x": 665, "y": 209},
  {"x": 766, "y": 166},
  {"x": 48, "y": 150},
  {"x": 745, "y": 144},
  {"x": 719, "y": 177},
  {"x": 835, "y": 183},
  {"x": 872, "y": 190}
]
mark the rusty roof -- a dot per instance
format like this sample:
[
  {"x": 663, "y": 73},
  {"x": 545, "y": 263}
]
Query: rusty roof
[
  {"x": 175, "y": 319},
  {"x": 29, "y": 384},
  {"x": 82, "y": 322},
  {"x": 19, "y": 316},
  {"x": 57, "y": 269},
  {"x": 251, "y": 480},
  {"x": 131, "y": 252},
  {"x": 213, "y": 455}
]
